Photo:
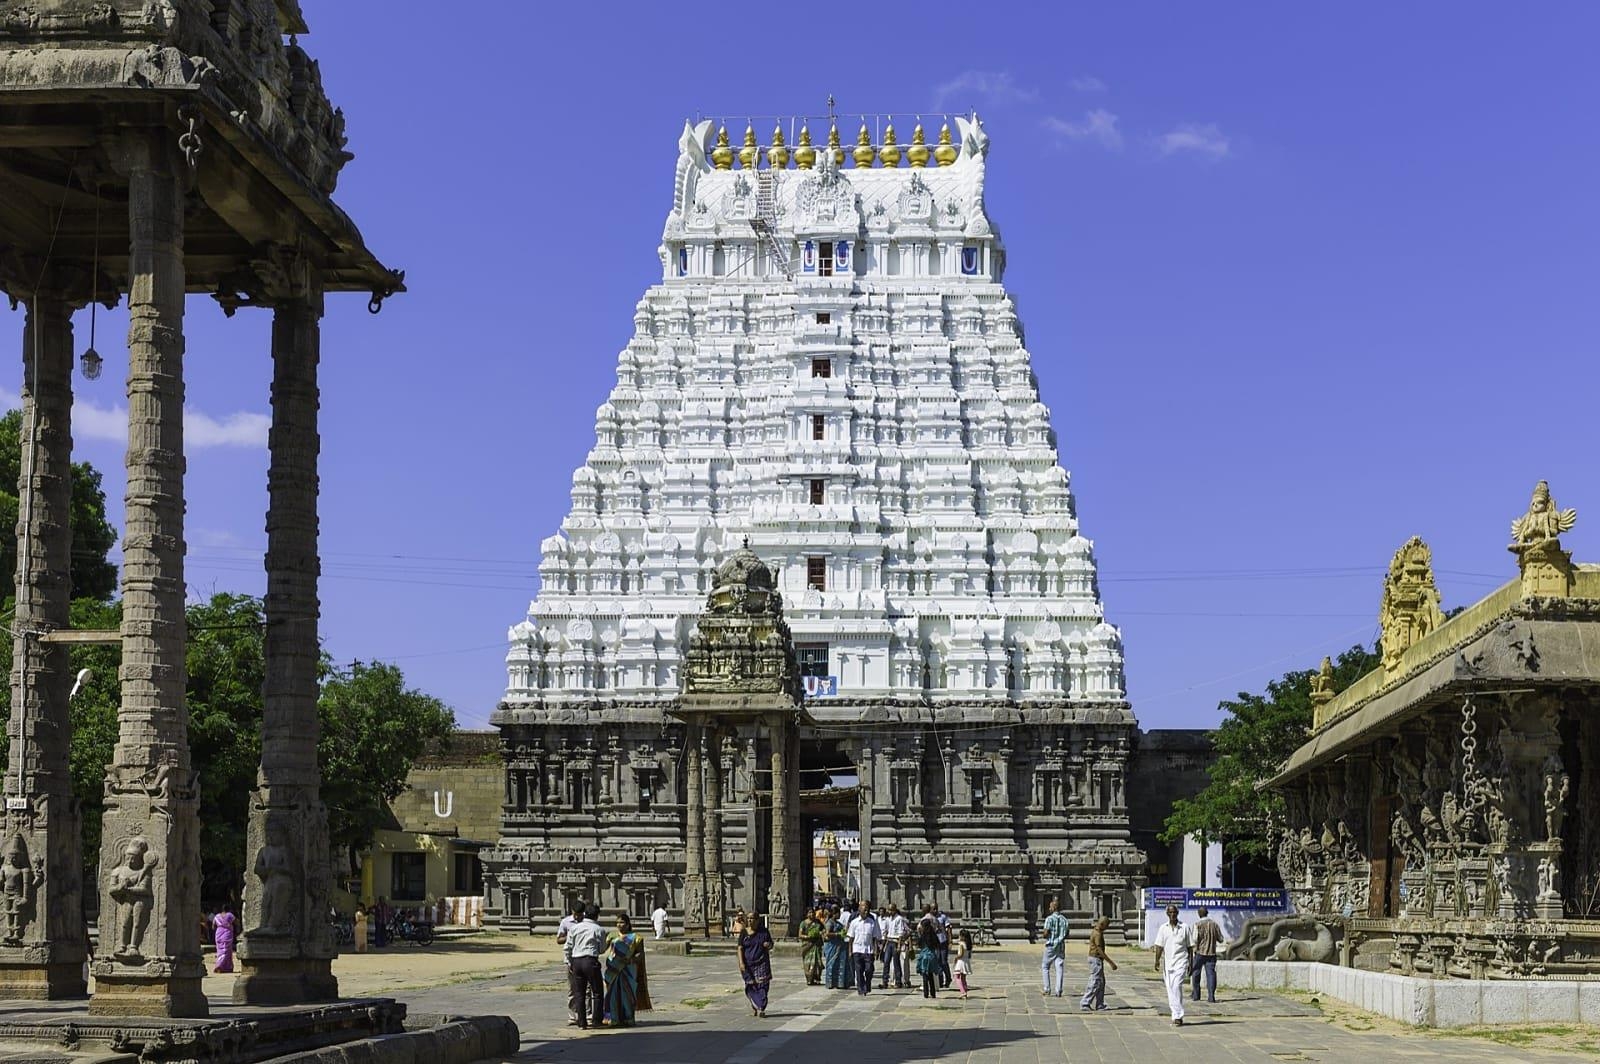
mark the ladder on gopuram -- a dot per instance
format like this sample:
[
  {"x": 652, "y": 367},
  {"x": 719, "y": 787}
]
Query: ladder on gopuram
[{"x": 765, "y": 223}]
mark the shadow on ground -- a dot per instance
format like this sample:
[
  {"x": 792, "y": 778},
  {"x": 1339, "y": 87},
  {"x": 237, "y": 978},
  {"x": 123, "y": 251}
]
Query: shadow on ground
[{"x": 652, "y": 1041}]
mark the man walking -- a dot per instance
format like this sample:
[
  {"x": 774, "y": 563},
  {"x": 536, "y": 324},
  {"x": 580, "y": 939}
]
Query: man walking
[
  {"x": 1173, "y": 944},
  {"x": 575, "y": 1003},
  {"x": 1094, "y": 998},
  {"x": 585, "y": 942},
  {"x": 1053, "y": 967},
  {"x": 1207, "y": 937},
  {"x": 944, "y": 947},
  {"x": 659, "y": 919},
  {"x": 894, "y": 931},
  {"x": 864, "y": 937}
]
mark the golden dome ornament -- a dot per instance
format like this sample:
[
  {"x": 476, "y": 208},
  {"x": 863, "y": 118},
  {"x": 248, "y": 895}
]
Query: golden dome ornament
[
  {"x": 918, "y": 152},
  {"x": 805, "y": 156},
  {"x": 890, "y": 152},
  {"x": 833, "y": 146},
  {"x": 750, "y": 152},
  {"x": 946, "y": 153},
  {"x": 777, "y": 155},
  {"x": 864, "y": 151},
  {"x": 722, "y": 154}
]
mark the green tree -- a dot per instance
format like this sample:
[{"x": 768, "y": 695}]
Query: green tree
[
  {"x": 373, "y": 728},
  {"x": 94, "y": 576},
  {"x": 1260, "y": 732}
]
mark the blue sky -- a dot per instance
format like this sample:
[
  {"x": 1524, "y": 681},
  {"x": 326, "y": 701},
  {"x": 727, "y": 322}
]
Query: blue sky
[{"x": 1298, "y": 282}]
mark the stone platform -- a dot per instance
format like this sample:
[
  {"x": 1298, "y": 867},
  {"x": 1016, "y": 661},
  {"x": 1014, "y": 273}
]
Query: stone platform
[
  {"x": 370, "y": 1029},
  {"x": 1426, "y": 1002}
]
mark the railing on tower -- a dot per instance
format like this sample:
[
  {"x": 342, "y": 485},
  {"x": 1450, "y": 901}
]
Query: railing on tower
[{"x": 765, "y": 223}]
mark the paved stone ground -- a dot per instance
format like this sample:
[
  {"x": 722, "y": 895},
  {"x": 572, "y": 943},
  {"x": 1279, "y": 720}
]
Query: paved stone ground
[{"x": 701, "y": 1017}]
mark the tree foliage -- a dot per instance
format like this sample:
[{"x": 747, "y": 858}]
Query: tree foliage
[
  {"x": 94, "y": 576},
  {"x": 1258, "y": 735}
]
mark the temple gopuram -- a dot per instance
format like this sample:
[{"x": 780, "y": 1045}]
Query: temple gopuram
[{"x": 1443, "y": 811}]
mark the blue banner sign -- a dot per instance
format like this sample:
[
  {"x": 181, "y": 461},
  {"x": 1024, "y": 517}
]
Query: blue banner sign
[
  {"x": 1216, "y": 898},
  {"x": 822, "y": 686}
]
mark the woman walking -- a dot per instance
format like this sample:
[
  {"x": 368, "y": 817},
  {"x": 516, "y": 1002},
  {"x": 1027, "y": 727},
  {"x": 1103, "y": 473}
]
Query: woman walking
[
  {"x": 928, "y": 955},
  {"x": 755, "y": 962},
  {"x": 812, "y": 929},
  {"x": 835, "y": 953},
  {"x": 626, "y": 989},
  {"x": 963, "y": 965},
  {"x": 224, "y": 925}
]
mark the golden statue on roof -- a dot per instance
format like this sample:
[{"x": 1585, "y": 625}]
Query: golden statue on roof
[
  {"x": 1410, "y": 608},
  {"x": 1536, "y": 541},
  {"x": 1543, "y": 521}
]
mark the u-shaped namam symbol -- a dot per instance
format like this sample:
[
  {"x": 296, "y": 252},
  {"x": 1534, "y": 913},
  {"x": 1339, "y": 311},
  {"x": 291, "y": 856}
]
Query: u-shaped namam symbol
[{"x": 449, "y": 804}]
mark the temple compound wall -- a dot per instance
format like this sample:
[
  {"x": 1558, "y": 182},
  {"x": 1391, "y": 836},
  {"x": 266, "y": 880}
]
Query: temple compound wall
[
  {"x": 831, "y": 370},
  {"x": 1444, "y": 816}
]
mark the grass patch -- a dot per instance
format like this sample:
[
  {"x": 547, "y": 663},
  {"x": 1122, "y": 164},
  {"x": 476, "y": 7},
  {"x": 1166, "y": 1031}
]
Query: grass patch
[
  {"x": 696, "y": 1003},
  {"x": 526, "y": 987},
  {"x": 1516, "y": 1036}
]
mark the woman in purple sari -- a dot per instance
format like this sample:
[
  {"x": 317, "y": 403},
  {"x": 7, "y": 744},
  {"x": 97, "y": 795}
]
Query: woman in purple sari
[
  {"x": 222, "y": 931},
  {"x": 755, "y": 962}
]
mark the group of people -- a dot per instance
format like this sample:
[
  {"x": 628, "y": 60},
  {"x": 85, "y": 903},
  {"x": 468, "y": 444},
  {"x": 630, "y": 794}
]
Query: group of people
[
  {"x": 841, "y": 948},
  {"x": 606, "y": 983}
]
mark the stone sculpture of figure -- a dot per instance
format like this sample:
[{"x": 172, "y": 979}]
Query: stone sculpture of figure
[
  {"x": 1450, "y": 815},
  {"x": 1543, "y": 521},
  {"x": 1556, "y": 786},
  {"x": 1406, "y": 841},
  {"x": 1347, "y": 844},
  {"x": 132, "y": 887},
  {"x": 18, "y": 883},
  {"x": 277, "y": 885},
  {"x": 1432, "y": 830},
  {"x": 1549, "y": 877},
  {"x": 1410, "y": 607},
  {"x": 1322, "y": 682}
]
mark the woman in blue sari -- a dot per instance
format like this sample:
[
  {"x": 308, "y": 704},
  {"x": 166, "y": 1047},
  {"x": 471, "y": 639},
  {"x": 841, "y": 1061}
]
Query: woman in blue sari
[
  {"x": 755, "y": 962},
  {"x": 627, "y": 991},
  {"x": 835, "y": 954}
]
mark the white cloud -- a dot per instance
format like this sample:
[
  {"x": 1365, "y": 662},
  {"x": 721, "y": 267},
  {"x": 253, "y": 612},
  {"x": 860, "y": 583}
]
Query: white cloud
[
  {"x": 91, "y": 421},
  {"x": 1205, "y": 139},
  {"x": 992, "y": 86},
  {"x": 1088, "y": 83},
  {"x": 1098, "y": 125}
]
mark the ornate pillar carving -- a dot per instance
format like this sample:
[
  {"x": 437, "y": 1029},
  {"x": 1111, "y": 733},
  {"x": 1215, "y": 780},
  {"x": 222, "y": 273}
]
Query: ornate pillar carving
[
  {"x": 694, "y": 865},
  {"x": 716, "y": 893},
  {"x": 42, "y": 941},
  {"x": 149, "y": 962},
  {"x": 287, "y": 951},
  {"x": 778, "y": 893}
]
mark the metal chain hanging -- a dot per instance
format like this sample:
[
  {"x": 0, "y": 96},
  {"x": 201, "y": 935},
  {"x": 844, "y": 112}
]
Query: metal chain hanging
[{"x": 1471, "y": 795}]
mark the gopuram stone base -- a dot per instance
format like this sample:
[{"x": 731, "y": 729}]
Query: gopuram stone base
[
  {"x": 41, "y": 980},
  {"x": 123, "y": 991},
  {"x": 287, "y": 981}
]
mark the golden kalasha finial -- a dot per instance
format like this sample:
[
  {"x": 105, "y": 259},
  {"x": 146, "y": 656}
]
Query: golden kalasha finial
[
  {"x": 918, "y": 152},
  {"x": 805, "y": 156},
  {"x": 890, "y": 152},
  {"x": 777, "y": 155},
  {"x": 833, "y": 145},
  {"x": 722, "y": 154},
  {"x": 864, "y": 152},
  {"x": 946, "y": 153},
  {"x": 750, "y": 152}
]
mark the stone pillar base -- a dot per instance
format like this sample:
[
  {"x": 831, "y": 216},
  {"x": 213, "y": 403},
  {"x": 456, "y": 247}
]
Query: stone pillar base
[
  {"x": 43, "y": 982},
  {"x": 176, "y": 996},
  {"x": 292, "y": 981}
]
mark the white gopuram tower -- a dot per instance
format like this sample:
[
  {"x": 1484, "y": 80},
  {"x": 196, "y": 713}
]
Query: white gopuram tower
[{"x": 831, "y": 371}]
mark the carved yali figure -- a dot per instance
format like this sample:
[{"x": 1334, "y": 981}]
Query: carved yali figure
[
  {"x": 132, "y": 886},
  {"x": 18, "y": 884}
]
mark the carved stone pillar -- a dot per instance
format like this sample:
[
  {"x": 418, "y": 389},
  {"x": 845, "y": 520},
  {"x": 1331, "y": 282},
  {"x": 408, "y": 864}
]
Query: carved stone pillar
[
  {"x": 716, "y": 894},
  {"x": 42, "y": 942},
  {"x": 148, "y": 962},
  {"x": 694, "y": 863},
  {"x": 287, "y": 951},
  {"x": 778, "y": 894}
]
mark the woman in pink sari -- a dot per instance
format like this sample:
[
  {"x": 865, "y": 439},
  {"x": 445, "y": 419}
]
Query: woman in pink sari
[{"x": 223, "y": 927}]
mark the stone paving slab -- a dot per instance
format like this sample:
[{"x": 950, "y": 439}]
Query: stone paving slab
[{"x": 701, "y": 1017}]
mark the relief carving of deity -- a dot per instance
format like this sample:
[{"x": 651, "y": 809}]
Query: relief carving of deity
[
  {"x": 19, "y": 884},
  {"x": 132, "y": 887}
]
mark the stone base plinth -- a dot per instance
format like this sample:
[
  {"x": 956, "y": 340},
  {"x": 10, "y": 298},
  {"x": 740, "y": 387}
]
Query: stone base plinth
[
  {"x": 287, "y": 981},
  {"x": 167, "y": 996},
  {"x": 42, "y": 982}
]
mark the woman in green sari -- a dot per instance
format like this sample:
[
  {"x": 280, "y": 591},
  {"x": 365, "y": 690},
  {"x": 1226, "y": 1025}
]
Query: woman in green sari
[
  {"x": 627, "y": 990},
  {"x": 811, "y": 932}
]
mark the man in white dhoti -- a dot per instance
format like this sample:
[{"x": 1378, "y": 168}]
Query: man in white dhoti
[
  {"x": 1173, "y": 944},
  {"x": 659, "y": 919}
]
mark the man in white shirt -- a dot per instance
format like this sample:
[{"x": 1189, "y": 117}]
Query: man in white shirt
[
  {"x": 1173, "y": 943},
  {"x": 659, "y": 919},
  {"x": 894, "y": 931},
  {"x": 574, "y": 1003},
  {"x": 864, "y": 935},
  {"x": 585, "y": 942}
]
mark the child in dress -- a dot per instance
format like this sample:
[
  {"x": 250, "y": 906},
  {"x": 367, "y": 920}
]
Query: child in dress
[{"x": 963, "y": 965}]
